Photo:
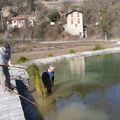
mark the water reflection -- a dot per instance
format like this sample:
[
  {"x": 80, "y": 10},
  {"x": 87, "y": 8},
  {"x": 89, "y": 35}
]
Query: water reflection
[
  {"x": 77, "y": 66},
  {"x": 104, "y": 103},
  {"x": 107, "y": 100},
  {"x": 80, "y": 112},
  {"x": 86, "y": 88},
  {"x": 66, "y": 109}
]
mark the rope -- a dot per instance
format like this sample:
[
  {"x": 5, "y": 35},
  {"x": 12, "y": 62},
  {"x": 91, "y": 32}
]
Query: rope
[
  {"x": 22, "y": 67},
  {"x": 36, "y": 104}
]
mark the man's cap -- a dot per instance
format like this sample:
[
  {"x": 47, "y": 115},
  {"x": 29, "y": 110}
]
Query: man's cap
[{"x": 52, "y": 66}]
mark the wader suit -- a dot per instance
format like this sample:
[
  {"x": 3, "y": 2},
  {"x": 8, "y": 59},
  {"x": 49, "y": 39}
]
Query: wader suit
[{"x": 5, "y": 55}]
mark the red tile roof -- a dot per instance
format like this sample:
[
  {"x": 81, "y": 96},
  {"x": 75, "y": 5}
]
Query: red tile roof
[
  {"x": 17, "y": 18},
  {"x": 73, "y": 11}
]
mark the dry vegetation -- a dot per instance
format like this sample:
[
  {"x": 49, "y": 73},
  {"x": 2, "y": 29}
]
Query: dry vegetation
[
  {"x": 100, "y": 16},
  {"x": 45, "y": 50}
]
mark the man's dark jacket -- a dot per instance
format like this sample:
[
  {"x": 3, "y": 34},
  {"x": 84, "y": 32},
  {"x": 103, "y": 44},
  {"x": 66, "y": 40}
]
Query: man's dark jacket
[{"x": 48, "y": 79}]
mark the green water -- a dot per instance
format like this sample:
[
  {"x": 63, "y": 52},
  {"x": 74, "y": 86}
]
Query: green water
[{"x": 86, "y": 89}]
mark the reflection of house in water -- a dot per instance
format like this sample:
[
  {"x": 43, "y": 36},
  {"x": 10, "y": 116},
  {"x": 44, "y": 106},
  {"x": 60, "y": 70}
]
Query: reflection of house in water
[{"x": 77, "y": 66}]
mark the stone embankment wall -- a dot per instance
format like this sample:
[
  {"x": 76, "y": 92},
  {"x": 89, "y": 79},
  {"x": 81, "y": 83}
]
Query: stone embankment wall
[
  {"x": 50, "y": 60},
  {"x": 21, "y": 74}
]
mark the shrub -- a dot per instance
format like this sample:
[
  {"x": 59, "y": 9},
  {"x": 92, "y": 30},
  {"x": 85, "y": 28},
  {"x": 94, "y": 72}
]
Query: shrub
[
  {"x": 50, "y": 55},
  {"x": 54, "y": 16},
  {"x": 12, "y": 42},
  {"x": 1, "y": 41},
  {"x": 53, "y": 32},
  {"x": 22, "y": 59},
  {"x": 72, "y": 51},
  {"x": 98, "y": 47}
]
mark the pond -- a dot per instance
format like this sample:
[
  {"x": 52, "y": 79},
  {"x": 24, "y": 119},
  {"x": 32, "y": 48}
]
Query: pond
[{"x": 85, "y": 89}]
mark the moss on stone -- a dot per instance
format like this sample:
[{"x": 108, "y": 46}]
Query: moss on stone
[{"x": 34, "y": 74}]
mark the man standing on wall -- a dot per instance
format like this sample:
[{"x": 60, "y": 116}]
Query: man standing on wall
[
  {"x": 5, "y": 55},
  {"x": 48, "y": 79}
]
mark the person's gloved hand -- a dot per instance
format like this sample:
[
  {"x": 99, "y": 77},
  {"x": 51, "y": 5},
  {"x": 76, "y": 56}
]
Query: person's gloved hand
[{"x": 11, "y": 65}]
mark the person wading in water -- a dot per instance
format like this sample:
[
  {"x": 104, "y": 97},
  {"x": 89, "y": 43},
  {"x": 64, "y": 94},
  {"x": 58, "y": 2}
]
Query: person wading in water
[
  {"x": 5, "y": 55},
  {"x": 48, "y": 79}
]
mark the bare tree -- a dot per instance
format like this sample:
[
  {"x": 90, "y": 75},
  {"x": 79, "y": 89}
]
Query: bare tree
[
  {"x": 103, "y": 13},
  {"x": 41, "y": 13}
]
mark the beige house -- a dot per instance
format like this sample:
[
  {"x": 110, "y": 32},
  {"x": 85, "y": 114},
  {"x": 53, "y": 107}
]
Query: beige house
[
  {"x": 19, "y": 22},
  {"x": 74, "y": 24}
]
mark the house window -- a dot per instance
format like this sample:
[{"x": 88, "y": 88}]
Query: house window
[
  {"x": 75, "y": 25},
  {"x": 15, "y": 26},
  {"x": 78, "y": 14},
  {"x": 10, "y": 22},
  {"x": 71, "y": 14},
  {"x": 14, "y": 21},
  {"x": 80, "y": 34},
  {"x": 23, "y": 21},
  {"x": 30, "y": 23},
  {"x": 71, "y": 21},
  {"x": 78, "y": 21}
]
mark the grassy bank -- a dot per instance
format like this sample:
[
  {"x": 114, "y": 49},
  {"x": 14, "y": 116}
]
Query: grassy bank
[{"x": 44, "y": 50}]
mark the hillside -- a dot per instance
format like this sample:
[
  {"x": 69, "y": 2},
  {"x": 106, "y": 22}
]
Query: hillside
[{"x": 101, "y": 18}]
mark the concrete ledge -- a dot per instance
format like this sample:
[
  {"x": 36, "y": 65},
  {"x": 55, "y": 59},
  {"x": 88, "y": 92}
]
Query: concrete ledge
[{"x": 10, "y": 107}]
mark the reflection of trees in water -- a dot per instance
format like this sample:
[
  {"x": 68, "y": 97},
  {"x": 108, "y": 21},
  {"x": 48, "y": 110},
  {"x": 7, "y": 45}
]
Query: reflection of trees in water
[
  {"x": 73, "y": 108},
  {"x": 76, "y": 111},
  {"x": 106, "y": 66},
  {"x": 96, "y": 90},
  {"x": 97, "y": 77},
  {"x": 47, "y": 105},
  {"x": 77, "y": 66}
]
